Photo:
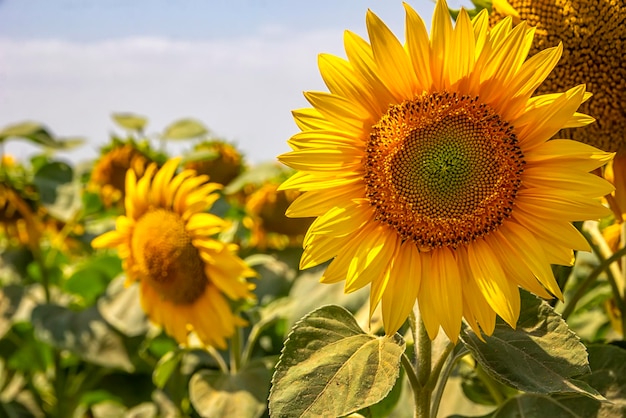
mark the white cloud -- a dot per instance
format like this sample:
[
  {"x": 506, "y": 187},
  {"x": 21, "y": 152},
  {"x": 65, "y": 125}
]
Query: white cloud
[{"x": 243, "y": 89}]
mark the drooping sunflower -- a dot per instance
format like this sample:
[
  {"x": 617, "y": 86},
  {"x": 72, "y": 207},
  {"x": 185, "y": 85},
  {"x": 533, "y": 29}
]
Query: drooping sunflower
[
  {"x": 432, "y": 173},
  {"x": 593, "y": 33},
  {"x": 108, "y": 174},
  {"x": 166, "y": 241},
  {"x": 222, "y": 167}
]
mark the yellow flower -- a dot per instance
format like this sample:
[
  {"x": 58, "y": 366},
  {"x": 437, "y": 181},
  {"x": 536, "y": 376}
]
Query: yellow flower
[
  {"x": 267, "y": 221},
  {"x": 223, "y": 167},
  {"x": 593, "y": 36},
  {"x": 431, "y": 173},
  {"x": 108, "y": 174},
  {"x": 166, "y": 241}
]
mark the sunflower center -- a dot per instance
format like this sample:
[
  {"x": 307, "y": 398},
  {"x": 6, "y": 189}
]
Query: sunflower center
[
  {"x": 166, "y": 258},
  {"x": 442, "y": 169}
]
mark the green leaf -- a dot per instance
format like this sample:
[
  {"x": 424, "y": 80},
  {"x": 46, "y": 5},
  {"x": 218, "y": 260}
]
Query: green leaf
[
  {"x": 91, "y": 279},
  {"x": 49, "y": 178},
  {"x": 120, "y": 307},
  {"x": 540, "y": 356},
  {"x": 27, "y": 353},
  {"x": 32, "y": 131},
  {"x": 10, "y": 300},
  {"x": 608, "y": 376},
  {"x": 84, "y": 333},
  {"x": 243, "y": 394},
  {"x": 130, "y": 121},
  {"x": 185, "y": 129},
  {"x": 330, "y": 367},
  {"x": 165, "y": 367}
]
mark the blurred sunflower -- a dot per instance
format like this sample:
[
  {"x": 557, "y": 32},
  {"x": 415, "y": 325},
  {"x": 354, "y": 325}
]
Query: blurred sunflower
[
  {"x": 18, "y": 216},
  {"x": 223, "y": 164},
  {"x": 431, "y": 173},
  {"x": 166, "y": 241},
  {"x": 594, "y": 36},
  {"x": 108, "y": 174},
  {"x": 270, "y": 228}
]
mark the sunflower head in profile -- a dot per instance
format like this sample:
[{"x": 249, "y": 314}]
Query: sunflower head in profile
[
  {"x": 222, "y": 164},
  {"x": 593, "y": 35},
  {"x": 109, "y": 172},
  {"x": 433, "y": 175},
  {"x": 166, "y": 240},
  {"x": 265, "y": 217}
]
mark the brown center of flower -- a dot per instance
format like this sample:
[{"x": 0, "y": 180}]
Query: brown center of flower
[
  {"x": 442, "y": 169},
  {"x": 166, "y": 258}
]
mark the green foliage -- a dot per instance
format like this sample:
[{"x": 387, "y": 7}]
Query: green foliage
[
  {"x": 239, "y": 394},
  {"x": 330, "y": 367},
  {"x": 185, "y": 129},
  {"x": 130, "y": 121},
  {"x": 540, "y": 356}
]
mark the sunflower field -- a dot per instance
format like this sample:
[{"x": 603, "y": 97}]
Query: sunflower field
[{"x": 460, "y": 195}]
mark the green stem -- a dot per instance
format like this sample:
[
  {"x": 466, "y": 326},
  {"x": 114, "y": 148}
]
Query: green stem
[
  {"x": 442, "y": 380},
  {"x": 235, "y": 351},
  {"x": 423, "y": 361},
  {"x": 489, "y": 383},
  {"x": 584, "y": 286},
  {"x": 410, "y": 373},
  {"x": 218, "y": 359},
  {"x": 436, "y": 372}
]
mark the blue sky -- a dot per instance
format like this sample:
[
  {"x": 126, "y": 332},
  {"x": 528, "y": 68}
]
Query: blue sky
[{"x": 239, "y": 66}]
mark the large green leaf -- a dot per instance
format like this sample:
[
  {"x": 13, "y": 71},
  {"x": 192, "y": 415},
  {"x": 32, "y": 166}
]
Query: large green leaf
[
  {"x": 121, "y": 308},
  {"x": 243, "y": 394},
  {"x": 540, "y": 356},
  {"x": 56, "y": 190},
  {"x": 84, "y": 333},
  {"x": 330, "y": 367},
  {"x": 185, "y": 129},
  {"x": 130, "y": 121}
]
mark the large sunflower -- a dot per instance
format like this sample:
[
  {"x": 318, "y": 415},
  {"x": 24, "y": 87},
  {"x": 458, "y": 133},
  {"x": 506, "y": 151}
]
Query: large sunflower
[
  {"x": 432, "y": 175},
  {"x": 166, "y": 241}
]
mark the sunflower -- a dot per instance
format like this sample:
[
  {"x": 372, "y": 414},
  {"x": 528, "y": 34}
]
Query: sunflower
[
  {"x": 432, "y": 176},
  {"x": 222, "y": 167},
  {"x": 108, "y": 174},
  {"x": 166, "y": 242},
  {"x": 18, "y": 216},
  {"x": 594, "y": 36},
  {"x": 266, "y": 218}
]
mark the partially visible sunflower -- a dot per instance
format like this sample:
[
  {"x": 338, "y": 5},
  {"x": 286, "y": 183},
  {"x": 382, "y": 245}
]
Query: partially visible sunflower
[
  {"x": 270, "y": 228},
  {"x": 432, "y": 173},
  {"x": 166, "y": 240},
  {"x": 108, "y": 174},
  {"x": 18, "y": 216},
  {"x": 593, "y": 33},
  {"x": 222, "y": 166}
]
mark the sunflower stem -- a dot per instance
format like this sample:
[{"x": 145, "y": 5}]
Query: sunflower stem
[
  {"x": 442, "y": 380},
  {"x": 584, "y": 286},
  {"x": 235, "y": 351},
  {"x": 218, "y": 359},
  {"x": 423, "y": 361}
]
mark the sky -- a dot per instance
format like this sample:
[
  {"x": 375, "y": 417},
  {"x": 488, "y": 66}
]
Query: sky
[{"x": 238, "y": 66}]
